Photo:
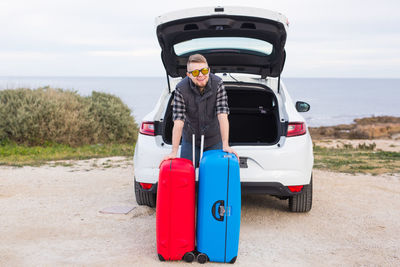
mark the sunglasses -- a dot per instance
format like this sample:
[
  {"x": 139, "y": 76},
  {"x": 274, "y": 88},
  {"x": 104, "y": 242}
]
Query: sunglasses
[{"x": 196, "y": 73}]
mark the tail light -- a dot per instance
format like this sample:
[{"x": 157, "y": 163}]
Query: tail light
[
  {"x": 146, "y": 186},
  {"x": 296, "y": 129},
  {"x": 147, "y": 128},
  {"x": 295, "y": 188}
]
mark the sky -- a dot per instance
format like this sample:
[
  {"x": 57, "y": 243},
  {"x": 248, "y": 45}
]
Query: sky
[{"x": 331, "y": 38}]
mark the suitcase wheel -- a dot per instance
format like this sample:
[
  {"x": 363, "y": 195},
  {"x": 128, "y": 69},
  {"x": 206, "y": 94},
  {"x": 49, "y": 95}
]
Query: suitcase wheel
[
  {"x": 189, "y": 256},
  {"x": 202, "y": 258},
  {"x": 161, "y": 257}
]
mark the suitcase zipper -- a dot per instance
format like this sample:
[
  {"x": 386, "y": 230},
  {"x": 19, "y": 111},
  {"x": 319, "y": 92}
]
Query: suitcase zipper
[
  {"x": 170, "y": 217},
  {"x": 227, "y": 204}
]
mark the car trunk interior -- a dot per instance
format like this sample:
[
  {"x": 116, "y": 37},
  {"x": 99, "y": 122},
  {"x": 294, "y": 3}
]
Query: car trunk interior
[{"x": 253, "y": 118}]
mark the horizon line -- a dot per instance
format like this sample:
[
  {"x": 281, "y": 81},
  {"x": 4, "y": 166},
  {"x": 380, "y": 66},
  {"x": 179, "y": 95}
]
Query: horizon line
[{"x": 100, "y": 76}]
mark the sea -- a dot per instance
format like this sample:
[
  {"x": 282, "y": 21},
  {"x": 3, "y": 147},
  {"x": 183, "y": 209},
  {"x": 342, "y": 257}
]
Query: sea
[{"x": 333, "y": 101}]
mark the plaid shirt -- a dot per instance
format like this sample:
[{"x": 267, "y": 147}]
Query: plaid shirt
[{"x": 179, "y": 107}]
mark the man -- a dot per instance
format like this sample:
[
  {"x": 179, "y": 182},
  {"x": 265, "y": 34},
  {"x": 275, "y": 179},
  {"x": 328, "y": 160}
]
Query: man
[{"x": 200, "y": 107}]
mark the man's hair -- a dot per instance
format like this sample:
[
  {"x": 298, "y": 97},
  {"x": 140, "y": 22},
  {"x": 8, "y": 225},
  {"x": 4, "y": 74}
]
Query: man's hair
[{"x": 196, "y": 58}]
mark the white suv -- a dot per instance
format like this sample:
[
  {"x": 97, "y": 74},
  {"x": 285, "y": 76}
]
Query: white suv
[{"x": 245, "y": 47}]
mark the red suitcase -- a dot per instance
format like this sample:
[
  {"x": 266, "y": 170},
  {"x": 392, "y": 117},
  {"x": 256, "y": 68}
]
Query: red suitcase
[{"x": 175, "y": 214}]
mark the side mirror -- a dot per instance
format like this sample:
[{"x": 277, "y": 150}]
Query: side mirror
[{"x": 302, "y": 106}]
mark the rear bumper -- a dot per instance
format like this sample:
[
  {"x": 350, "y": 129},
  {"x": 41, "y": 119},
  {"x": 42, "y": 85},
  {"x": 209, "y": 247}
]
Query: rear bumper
[{"x": 268, "y": 188}]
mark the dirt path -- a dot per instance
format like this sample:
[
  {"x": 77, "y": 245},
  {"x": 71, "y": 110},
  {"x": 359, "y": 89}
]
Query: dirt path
[{"x": 50, "y": 217}]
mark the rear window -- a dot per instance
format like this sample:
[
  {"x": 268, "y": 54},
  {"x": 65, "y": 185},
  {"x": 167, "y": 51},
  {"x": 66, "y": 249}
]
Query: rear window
[{"x": 223, "y": 43}]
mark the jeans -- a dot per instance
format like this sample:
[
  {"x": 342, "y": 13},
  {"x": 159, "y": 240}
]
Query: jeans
[{"x": 186, "y": 150}]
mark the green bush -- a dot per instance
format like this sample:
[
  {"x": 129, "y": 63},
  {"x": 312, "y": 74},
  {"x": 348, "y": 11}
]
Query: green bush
[{"x": 45, "y": 115}]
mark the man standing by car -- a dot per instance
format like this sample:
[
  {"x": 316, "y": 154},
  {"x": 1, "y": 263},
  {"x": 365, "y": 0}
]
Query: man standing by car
[{"x": 200, "y": 108}]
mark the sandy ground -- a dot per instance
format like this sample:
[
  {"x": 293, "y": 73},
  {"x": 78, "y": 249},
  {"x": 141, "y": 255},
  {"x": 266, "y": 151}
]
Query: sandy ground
[{"x": 50, "y": 217}]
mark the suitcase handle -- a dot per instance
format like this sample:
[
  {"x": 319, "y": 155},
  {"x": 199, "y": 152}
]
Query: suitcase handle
[
  {"x": 221, "y": 210},
  {"x": 193, "y": 149}
]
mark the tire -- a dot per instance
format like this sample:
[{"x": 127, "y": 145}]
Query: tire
[
  {"x": 202, "y": 258},
  {"x": 303, "y": 201},
  {"x": 161, "y": 258},
  {"x": 145, "y": 197},
  {"x": 189, "y": 256}
]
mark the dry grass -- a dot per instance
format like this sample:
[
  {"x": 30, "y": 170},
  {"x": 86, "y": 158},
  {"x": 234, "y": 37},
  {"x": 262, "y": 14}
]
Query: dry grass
[
  {"x": 360, "y": 159},
  {"x": 19, "y": 155}
]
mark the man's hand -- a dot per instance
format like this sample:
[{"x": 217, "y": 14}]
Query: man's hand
[
  {"x": 224, "y": 127},
  {"x": 230, "y": 150},
  {"x": 172, "y": 155},
  {"x": 176, "y": 138}
]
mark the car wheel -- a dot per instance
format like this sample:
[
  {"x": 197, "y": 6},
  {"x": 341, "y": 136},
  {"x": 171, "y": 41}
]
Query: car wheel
[
  {"x": 144, "y": 197},
  {"x": 303, "y": 201}
]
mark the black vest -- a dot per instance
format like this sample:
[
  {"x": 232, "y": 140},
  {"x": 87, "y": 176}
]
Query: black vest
[{"x": 201, "y": 114}]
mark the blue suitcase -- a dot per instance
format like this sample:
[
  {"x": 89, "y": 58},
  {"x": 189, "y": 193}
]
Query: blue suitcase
[{"x": 218, "y": 210}]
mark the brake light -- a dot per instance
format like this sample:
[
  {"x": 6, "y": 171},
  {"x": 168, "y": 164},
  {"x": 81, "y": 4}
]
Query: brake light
[
  {"x": 296, "y": 129},
  {"x": 147, "y": 128},
  {"x": 295, "y": 188},
  {"x": 146, "y": 186}
]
